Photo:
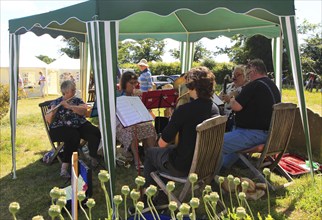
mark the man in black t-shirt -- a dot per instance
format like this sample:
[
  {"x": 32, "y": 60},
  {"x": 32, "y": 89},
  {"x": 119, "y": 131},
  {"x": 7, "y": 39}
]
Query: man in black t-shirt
[
  {"x": 177, "y": 160},
  {"x": 253, "y": 107}
]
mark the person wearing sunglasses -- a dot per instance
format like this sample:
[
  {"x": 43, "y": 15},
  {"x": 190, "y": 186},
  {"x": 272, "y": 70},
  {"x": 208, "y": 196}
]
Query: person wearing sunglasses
[
  {"x": 253, "y": 107},
  {"x": 233, "y": 89}
]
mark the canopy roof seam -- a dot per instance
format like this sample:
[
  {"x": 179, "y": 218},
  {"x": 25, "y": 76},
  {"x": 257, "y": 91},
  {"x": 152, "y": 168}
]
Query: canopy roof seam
[
  {"x": 198, "y": 32},
  {"x": 184, "y": 27}
]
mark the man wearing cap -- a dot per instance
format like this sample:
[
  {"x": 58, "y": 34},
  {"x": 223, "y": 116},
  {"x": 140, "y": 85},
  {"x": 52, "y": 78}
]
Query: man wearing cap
[{"x": 145, "y": 76}]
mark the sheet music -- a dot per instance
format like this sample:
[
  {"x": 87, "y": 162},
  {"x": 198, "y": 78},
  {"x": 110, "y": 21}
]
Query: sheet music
[
  {"x": 217, "y": 100},
  {"x": 130, "y": 110}
]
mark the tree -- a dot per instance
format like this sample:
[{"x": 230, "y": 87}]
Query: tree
[
  {"x": 311, "y": 49},
  {"x": 46, "y": 59},
  {"x": 134, "y": 51},
  {"x": 72, "y": 49},
  {"x": 200, "y": 52},
  {"x": 245, "y": 49}
]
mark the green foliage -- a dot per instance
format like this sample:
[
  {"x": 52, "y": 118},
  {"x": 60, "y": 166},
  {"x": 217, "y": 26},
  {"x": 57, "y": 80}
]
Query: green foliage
[
  {"x": 245, "y": 49},
  {"x": 311, "y": 57},
  {"x": 200, "y": 52},
  {"x": 209, "y": 63},
  {"x": 4, "y": 100},
  {"x": 311, "y": 49},
  {"x": 134, "y": 51},
  {"x": 46, "y": 59},
  {"x": 221, "y": 70},
  {"x": 160, "y": 68},
  {"x": 157, "y": 68},
  {"x": 72, "y": 49}
]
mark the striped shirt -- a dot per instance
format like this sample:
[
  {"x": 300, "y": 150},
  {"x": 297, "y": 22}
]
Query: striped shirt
[{"x": 145, "y": 80}]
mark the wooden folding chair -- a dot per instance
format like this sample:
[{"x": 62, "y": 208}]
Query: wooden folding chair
[
  {"x": 91, "y": 96},
  {"x": 210, "y": 134},
  {"x": 56, "y": 145},
  {"x": 272, "y": 151}
]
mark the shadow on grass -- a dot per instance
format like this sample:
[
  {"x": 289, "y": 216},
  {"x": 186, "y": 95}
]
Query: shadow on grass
[{"x": 33, "y": 183}]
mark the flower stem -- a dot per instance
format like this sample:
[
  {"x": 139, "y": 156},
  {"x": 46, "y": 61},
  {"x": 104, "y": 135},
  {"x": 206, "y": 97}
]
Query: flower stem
[
  {"x": 125, "y": 210},
  {"x": 193, "y": 214},
  {"x": 268, "y": 198},
  {"x": 150, "y": 204},
  {"x": 140, "y": 213},
  {"x": 90, "y": 213},
  {"x": 248, "y": 207},
  {"x": 117, "y": 217},
  {"x": 192, "y": 190},
  {"x": 208, "y": 212},
  {"x": 230, "y": 197},
  {"x": 108, "y": 203},
  {"x": 236, "y": 193},
  {"x": 68, "y": 213},
  {"x": 153, "y": 208},
  {"x": 221, "y": 197},
  {"x": 80, "y": 205}
]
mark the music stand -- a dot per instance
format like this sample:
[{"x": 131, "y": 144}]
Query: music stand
[{"x": 160, "y": 98}]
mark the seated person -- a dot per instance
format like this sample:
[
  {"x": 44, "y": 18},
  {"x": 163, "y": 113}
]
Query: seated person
[
  {"x": 130, "y": 136},
  {"x": 233, "y": 89},
  {"x": 253, "y": 107},
  {"x": 68, "y": 124},
  {"x": 176, "y": 160}
]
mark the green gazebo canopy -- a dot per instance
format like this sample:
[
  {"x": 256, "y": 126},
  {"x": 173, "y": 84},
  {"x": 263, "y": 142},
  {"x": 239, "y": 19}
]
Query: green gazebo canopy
[{"x": 100, "y": 24}]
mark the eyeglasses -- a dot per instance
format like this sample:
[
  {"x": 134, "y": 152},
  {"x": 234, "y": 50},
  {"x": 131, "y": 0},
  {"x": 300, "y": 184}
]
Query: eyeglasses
[
  {"x": 133, "y": 82},
  {"x": 249, "y": 72},
  {"x": 236, "y": 76}
]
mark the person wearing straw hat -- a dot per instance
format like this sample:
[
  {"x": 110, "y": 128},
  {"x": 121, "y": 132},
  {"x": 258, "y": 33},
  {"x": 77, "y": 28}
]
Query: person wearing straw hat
[{"x": 145, "y": 76}]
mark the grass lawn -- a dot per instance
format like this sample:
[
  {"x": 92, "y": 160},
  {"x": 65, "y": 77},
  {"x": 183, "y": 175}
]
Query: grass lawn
[{"x": 302, "y": 200}]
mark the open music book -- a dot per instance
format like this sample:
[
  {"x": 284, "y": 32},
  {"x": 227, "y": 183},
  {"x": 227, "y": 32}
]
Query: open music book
[
  {"x": 217, "y": 100},
  {"x": 130, "y": 110}
]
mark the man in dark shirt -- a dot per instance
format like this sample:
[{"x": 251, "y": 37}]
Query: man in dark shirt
[
  {"x": 253, "y": 107},
  {"x": 177, "y": 160}
]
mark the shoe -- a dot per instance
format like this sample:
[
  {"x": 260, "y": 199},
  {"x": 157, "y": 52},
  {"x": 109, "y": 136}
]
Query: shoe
[
  {"x": 255, "y": 195},
  {"x": 65, "y": 174}
]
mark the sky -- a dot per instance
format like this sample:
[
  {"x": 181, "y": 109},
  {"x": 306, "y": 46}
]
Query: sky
[{"x": 31, "y": 45}]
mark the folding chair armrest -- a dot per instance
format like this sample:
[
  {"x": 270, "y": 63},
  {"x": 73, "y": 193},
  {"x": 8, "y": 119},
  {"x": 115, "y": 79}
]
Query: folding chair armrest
[
  {"x": 160, "y": 183},
  {"x": 174, "y": 178}
]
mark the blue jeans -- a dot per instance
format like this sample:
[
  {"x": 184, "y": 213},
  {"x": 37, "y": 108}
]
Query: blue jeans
[{"x": 240, "y": 139}]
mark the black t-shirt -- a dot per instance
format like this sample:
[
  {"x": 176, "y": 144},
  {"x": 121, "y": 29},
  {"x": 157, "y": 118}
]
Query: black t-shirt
[
  {"x": 257, "y": 102},
  {"x": 184, "y": 120}
]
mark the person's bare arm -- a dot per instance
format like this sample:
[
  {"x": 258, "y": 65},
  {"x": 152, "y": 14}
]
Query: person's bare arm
[
  {"x": 78, "y": 109},
  {"x": 235, "y": 106},
  {"x": 51, "y": 115},
  {"x": 162, "y": 143}
]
